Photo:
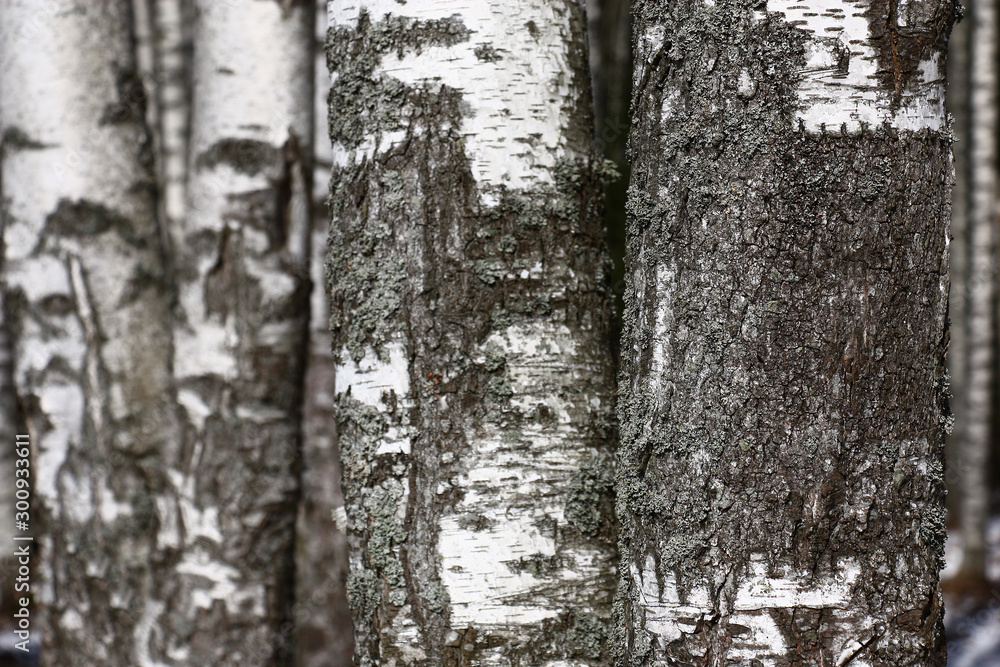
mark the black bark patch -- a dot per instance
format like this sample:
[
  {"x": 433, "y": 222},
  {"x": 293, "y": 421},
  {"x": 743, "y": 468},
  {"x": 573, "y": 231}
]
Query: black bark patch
[
  {"x": 15, "y": 139},
  {"x": 795, "y": 413},
  {"x": 487, "y": 53},
  {"x": 84, "y": 218},
  {"x": 131, "y": 103},
  {"x": 246, "y": 156}
]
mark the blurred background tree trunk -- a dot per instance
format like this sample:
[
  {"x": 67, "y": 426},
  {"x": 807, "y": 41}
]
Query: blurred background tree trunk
[
  {"x": 86, "y": 299},
  {"x": 976, "y": 431},
  {"x": 241, "y": 258},
  {"x": 322, "y": 617}
]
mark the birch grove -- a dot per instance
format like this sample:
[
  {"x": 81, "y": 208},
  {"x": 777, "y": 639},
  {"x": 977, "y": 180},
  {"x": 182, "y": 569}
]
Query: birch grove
[{"x": 308, "y": 316}]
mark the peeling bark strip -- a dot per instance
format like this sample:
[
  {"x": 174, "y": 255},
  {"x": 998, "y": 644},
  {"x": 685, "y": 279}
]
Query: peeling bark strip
[
  {"x": 86, "y": 301},
  {"x": 467, "y": 275},
  {"x": 780, "y": 479},
  {"x": 241, "y": 256}
]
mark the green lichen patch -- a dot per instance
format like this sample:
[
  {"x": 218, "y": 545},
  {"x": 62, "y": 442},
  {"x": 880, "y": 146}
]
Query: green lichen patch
[
  {"x": 435, "y": 597},
  {"x": 362, "y": 101},
  {"x": 385, "y": 530},
  {"x": 372, "y": 273},
  {"x": 588, "y": 635},
  {"x": 361, "y": 427},
  {"x": 594, "y": 481},
  {"x": 363, "y": 594}
]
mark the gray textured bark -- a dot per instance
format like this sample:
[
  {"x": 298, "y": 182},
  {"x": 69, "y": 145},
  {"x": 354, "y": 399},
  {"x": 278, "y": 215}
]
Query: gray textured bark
[
  {"x": 780, "y": 478},
  {"x": 241, "y": 256},
  {"x": 978, "y": 405},
  {"x": 469, "y": 309},
  {"x": 87, "y": 304}
]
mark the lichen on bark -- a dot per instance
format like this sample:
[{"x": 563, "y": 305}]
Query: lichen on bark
[{"x": 469, "y": 311}]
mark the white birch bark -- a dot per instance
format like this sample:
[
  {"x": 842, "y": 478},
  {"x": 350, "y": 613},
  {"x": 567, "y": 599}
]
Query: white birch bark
[
  {"x": 976, "y": 440},
  {"x": 470, "y": 421},
  {"x": 241, "y": 263},
  {"x": 86, "y": 298}
]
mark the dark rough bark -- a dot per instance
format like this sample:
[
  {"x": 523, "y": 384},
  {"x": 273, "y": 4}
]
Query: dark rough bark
[
  {"x": 428, "y": 270},
  {"x": 783, "y": 404}
]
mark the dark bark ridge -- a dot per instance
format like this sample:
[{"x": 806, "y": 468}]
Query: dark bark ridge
[{"x": 783, "y": 397}]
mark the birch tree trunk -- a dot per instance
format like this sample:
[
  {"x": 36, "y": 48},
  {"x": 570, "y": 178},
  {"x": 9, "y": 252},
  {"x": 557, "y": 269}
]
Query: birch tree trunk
[
  {"x": 86, "y": 299},
  {"x": 977, "y": 428},
  {"x": 9, "y": 423},
  {"x": 242, "y": 277},
  {"x": 780, "y": 478},
  {"x": 469, "y": 310}
]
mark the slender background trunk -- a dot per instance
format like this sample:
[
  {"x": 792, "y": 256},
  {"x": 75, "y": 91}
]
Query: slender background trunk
[
  {"x": 322, "y": 617},
  {"x": 977, "y": 414},
  {"x": 468, "y": 284},
  {"x": 242, "y": 277},
  {"x": 780, "y": 480},
  {"x": 958, "y": 302}
]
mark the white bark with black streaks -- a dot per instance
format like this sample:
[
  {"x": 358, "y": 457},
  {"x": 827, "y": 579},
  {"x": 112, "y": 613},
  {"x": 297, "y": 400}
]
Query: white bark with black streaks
[
  {"x": 841, "y": 85},
  {"x": 463, "y": 125},
  {"x": 241, "y": 256},
  {"x": 86, "y": 295}
]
